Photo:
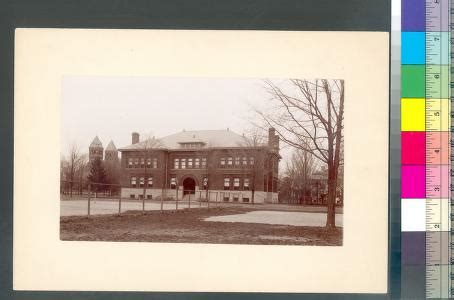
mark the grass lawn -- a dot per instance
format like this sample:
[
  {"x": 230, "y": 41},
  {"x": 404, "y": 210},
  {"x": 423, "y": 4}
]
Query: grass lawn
[{"x": 188, "y": 226}]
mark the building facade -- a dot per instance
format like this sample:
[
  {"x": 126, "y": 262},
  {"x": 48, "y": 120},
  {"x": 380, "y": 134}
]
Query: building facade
[{"x": 219, "y": 165}]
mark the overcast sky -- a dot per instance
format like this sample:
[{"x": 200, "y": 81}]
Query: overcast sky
[{"x": 113, "y": 107}]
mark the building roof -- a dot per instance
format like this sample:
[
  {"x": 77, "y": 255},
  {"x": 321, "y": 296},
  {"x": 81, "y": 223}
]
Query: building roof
[
  {"x": 210, "y": 138},
  {"x": 96, "y": 143},
  {"x": 111, "y": 146}
]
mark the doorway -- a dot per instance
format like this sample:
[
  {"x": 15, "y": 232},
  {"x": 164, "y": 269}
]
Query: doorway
[{"x": 188, "y": 186}]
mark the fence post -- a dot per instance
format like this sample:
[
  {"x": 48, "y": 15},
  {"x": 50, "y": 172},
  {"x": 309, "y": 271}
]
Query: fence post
[
  {"x": 189, "y": 196},
  {"x": 119, "y": 204},
  {"x": 208, "y": 200},
  {"x": 89, "y": 196},
  {"x": 143, "y": 204},
  {"x": 162, "y": 199}
]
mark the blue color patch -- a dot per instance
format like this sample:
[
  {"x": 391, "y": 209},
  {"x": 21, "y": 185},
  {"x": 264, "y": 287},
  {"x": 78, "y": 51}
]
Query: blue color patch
[{"x": 413, "y": 48}]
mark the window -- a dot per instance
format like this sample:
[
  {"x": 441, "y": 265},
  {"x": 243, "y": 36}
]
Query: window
[
  {"x": 222, "y": 162},
  {"x": 189, "y": 163},
  {"x": 226, "y": 198},
  {"x": 236, "y": 184},
  {"x": 183, "y": 163},
  {"x": 150, "y": 181},
  {"x": 226, "y": 183},
  {"x": 235, "y": 198},
  {"x": 251, "y": 160},
  {"x": 205, "y": 183},
  {"x": 142, "y": 163},
  {"x": 237, "y": 161},
  {"x": 141, "y": 196},
  {"x": 149, "y": 197},
  {"x": 244, "y": 160},
  {"x": 136, "y": 163},
  {"x": 176, "y": 163},
  {"x": 173, "y": 183},
  {"x": 246, "y": 200},
  {"x": 191, "y": 145},
  {"x": 229, "y": 161},
  {"x": 133, "y": 181},
  {"x": 204, "y": 162},
  {"x": 246, "y": 184},
  {"x": 148, "y": 162},
  {"x": 155, "y": 163},
  {"x": 197, "y": 163},
  {"x": 129, "y": 162},
  {"x": 142, "y": 182},
  {"x": 132, "y": 196}
]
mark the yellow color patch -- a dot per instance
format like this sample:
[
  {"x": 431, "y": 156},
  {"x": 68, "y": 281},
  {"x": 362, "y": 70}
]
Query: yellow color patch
[{"x": 413, "y": 116}]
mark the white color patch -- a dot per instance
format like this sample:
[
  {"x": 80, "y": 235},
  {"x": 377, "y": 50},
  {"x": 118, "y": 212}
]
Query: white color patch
[{"x": 413, "y": 215}]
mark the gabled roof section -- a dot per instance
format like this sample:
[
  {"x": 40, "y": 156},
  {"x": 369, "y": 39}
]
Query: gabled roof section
[
  {"x": 151, "y": 143},
  {"x": 96, "y": 143},
  {"x": 111, "y": 146},
  {"x": 209, "y": 139}
]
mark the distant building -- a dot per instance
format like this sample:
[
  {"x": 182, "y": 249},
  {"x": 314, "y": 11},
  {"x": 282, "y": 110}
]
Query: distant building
[
  {"x": 96, "y": 150},
  {"x": 111, "y": 153},
  {"x": 210, "y": 163}
]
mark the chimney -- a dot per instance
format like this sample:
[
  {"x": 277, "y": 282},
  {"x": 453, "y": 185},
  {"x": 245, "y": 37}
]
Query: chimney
[
  {"x": 135, "y": 137},
  {"x": 276, "y": 143},
  {"x": 271, "y": 139}
]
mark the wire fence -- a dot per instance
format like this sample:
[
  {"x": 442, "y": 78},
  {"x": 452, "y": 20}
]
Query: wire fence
[
  {"x": 320, "y": 200},
  {"x": 103, "y": 198}
]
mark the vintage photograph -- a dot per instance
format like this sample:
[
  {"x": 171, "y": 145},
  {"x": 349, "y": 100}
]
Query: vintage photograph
[{"x": 202, "y": 160}]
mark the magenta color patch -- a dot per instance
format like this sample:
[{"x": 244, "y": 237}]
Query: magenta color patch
[
  {"x": 413, "y": 148},
  {"x": 413, "y": 181}
]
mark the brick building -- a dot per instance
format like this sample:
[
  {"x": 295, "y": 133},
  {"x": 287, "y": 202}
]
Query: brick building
[{"x": 218, "y": 164}]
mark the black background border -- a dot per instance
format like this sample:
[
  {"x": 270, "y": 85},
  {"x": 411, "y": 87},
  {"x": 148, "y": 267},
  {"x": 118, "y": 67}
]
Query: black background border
[{"x": 317, "y": 15}]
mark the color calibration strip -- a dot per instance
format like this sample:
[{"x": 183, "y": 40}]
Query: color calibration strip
[{"x": 425, "y": 143}]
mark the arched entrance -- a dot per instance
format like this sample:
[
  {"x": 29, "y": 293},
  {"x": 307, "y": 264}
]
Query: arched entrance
[{"x": 188, "y": 186}]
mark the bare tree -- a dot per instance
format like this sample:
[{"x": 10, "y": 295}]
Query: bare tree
[
  {"x": 254, "y": 139},
  {"x": 308, "y": 115},
  {"x": 298, "y": 170},
  {"x": 81, "y": 171},
  {"x": 75, "y": 162},
  {"x": 147, "y": 147}
]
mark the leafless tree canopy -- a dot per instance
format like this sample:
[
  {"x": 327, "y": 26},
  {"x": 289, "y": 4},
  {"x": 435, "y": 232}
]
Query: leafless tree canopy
[
  {"x": 298, "y": 172},
  {"x": 72, "y": 167},
  {"x": 307, "y": 114}
]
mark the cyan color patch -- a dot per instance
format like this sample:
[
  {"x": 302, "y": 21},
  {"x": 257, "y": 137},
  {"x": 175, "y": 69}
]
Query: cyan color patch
[{"x": 413, "y": 48}]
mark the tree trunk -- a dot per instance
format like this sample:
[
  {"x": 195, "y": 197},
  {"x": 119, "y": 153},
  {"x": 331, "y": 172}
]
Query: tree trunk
[{"x": 331, "y": 197}]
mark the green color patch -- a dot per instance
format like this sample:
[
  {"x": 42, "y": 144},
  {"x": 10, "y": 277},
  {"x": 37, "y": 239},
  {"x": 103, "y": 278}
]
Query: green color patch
[{"x": 413, "y": 84}]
